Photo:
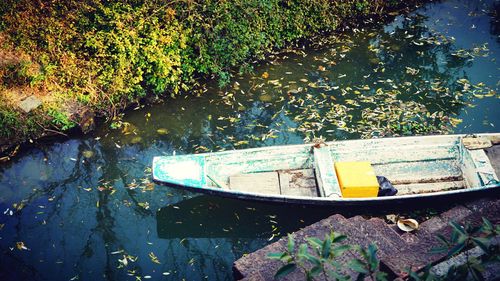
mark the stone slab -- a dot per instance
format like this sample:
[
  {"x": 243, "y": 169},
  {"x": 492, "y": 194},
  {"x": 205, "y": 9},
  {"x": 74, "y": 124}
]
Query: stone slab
[
  {"x": 397, "y": 250},
  {"x": 256, "y": 266},
  {"x": 29, "y": 103}
]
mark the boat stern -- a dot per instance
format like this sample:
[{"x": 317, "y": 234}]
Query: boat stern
[{"x": 182, "y": 170}]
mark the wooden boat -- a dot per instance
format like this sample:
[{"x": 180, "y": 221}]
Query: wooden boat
[{"x": 419, "y": 167}]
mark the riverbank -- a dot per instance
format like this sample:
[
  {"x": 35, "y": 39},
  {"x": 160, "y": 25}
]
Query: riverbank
[{"x": 63, "y": 65}]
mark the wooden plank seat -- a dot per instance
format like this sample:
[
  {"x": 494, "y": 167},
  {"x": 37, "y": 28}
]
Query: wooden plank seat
[
  {"x": 300, "y": 182},
  {"x": 263, "y": 183},
  {"x": 326, "y": 176}
]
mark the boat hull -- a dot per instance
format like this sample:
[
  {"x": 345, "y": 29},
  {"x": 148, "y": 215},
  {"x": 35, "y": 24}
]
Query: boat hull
[
  {"x": 491, "y": 191},
  {"x": 192, "y": 171}
]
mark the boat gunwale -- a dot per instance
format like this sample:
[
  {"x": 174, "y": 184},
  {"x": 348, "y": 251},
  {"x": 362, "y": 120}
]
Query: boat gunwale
[{"x": 450, "y": 138}]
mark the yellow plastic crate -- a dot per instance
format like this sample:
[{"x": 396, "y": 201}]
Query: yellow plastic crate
[{"x": 356, "y": 179}]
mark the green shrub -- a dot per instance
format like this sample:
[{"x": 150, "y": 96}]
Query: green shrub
[
  {"x": 9, "y": 120},
  {"x": 108, "y": 54},
  {"x": 129, "y": 48},
  {"x": 60, "y": 119}
]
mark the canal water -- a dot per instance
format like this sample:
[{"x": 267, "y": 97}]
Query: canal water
[{"x": 85, "y": 208}]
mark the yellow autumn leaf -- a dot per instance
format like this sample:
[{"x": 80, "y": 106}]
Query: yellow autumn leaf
[{"x": 154, "y": 258}]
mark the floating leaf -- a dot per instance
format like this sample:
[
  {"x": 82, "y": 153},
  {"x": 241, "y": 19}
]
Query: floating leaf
[
  {"x": 144, "y": 205},
  {"x": 153, "y": 258},
  {"x": 136, "y": 140},
  {"x": 88, "y": 153},
  {"x": 124, "y": 261},
  {"x": 162, "y": 131},
  {"x": 20, "y": 246},
  {"x": 266, "y": 98}
]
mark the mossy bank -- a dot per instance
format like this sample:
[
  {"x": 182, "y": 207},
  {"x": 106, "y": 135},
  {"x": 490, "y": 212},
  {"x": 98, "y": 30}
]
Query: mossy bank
[{"x": 77, "y": 60}]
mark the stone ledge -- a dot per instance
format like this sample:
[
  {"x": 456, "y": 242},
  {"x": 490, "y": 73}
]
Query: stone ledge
[{"x": 397, "y": 251}]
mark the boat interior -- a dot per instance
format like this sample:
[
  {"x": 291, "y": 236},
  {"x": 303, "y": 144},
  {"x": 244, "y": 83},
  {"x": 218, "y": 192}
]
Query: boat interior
[{"x": 413, "y": 166}]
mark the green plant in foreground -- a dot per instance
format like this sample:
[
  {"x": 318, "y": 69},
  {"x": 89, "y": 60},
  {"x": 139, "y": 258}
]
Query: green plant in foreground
[
  {"x": 369, "y": 266},
  {"x": 465, "y": 238},
  {"x": 321, "y": 257}
]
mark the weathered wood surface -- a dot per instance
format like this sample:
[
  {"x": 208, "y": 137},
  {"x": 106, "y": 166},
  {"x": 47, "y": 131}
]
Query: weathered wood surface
[
  {"x": 493, "y": 154},
  {"x": 298, "y": 183},
  {"x": 256, "y": 160},
  {"x": 328, "y": 184},
  {"x": 397, "y": 251},
  {"x": 288, "y": 182},
  {"x": 483, "y": 166},
  {"x": 420, "y": 172},
  {"x": 386, "y": 154},
  {"x": 418, "y": 188},
  {"x": 264, "y": 183}
]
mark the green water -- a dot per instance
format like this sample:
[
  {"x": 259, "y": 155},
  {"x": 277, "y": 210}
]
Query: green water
[{"x": 86, "y": 208}]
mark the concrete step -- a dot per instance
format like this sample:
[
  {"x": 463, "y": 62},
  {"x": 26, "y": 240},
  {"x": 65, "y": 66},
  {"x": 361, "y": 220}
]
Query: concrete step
[
  {"x": 256, "y": 266},
  {"x": 394, "y": 252},
  {"x": 397, "y": 250}
]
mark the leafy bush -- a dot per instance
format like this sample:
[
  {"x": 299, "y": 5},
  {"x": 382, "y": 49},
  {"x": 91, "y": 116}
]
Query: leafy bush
[
  {"x": 108, "y": 54},
  {"x": 132, "y": 47},
  {"x": 8, "y": 121}
]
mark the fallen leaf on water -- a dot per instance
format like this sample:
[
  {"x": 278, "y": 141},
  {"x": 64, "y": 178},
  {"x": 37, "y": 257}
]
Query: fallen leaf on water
[
  {"x": 136, "y": 140},
  {"x": 162, "y": 131},
  {"x": 145, "y": 205},
  {"x": 154, "y": 258},
  {"x": 123, "y": 261},
  {"x": 20, "y": 246},
  {"x": 455, "y": 121},
  {"x": 88, "y": 153}
]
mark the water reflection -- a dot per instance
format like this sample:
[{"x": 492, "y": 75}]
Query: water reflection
[
  {"x": 86, "y": 208},
  {"x": 215, "y": 217}
]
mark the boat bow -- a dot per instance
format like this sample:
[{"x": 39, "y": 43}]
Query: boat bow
[{"x": 185, "y": 170}]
